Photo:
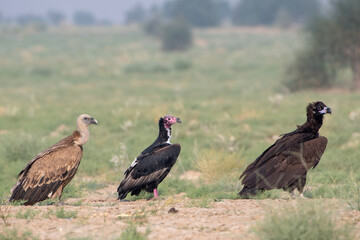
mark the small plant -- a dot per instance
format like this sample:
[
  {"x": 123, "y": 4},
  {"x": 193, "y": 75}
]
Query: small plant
[
  {"x": 304, "y": 222},
  {"x": 225, "y": 188},
  {"x": 48, "y": 202},
  {"x": 273, "y": 194},
  {"x": 18, "y": 202},
  {"x": 48, "y": 214},
  {"x": 77, "y": 203},
  {"x": 61, "y": 213},
  {"x": 142, "y": 195},
  {"x": 5, "y": 214},
  {"x": 121, "y": 158},
  {"x": 13, "y": 234},
  {"x": 139, "y": 217},
  {"x": 354, "y": 201},
  {"x": 71, "y": 191},
  {"x": 131, "y": 233},
  {"x": 28, "y": 214}
]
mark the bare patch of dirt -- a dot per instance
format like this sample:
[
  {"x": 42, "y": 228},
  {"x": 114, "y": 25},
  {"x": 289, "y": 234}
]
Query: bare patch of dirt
[{"x": 101, "y": 216}]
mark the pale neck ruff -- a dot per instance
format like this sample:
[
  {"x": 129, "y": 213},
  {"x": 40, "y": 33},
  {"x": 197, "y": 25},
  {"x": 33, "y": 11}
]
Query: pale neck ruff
[
  {"x": 168, "y": 134},
  {"x": 84, "y": 133}
]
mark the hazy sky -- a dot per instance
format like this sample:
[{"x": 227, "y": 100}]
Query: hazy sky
[{"x": 113, "y": 10}]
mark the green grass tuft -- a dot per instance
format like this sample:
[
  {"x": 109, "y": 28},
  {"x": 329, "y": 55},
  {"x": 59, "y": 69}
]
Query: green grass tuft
[
  {"x": 17, "y": 202},
  {"x": 214, "y": 164},
  {"x": 77, "y": 203},
  {"x": 61, "y": 213},
  {"x": 72, "y": 190},
  {"x": 13, "y": 234},
  {"x": 91, "y": 185},
  {"x": 28, "y": 214},
  {"x": 131, "y": 233},
  {"x": 305, "y": 222},
  {"x": 48, "y": 202}
]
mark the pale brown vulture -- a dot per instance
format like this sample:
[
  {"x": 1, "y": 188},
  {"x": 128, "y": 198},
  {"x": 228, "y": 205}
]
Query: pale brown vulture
[
  {"x": 153, "y": 164},
  {"x": 50, "y": 171},
  {"x": 285, "y": 163}
]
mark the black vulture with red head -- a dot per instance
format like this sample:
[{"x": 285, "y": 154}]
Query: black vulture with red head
[
  {"x": 284, "y": 164},
  {"x": 150, "y": 168}
]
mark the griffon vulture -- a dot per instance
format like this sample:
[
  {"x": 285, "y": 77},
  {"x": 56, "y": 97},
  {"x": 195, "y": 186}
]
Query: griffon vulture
[
  {"x": 153, "y": 164},
  {"x": 49, "y": 172},
  {"x": 285, "y": 163}
]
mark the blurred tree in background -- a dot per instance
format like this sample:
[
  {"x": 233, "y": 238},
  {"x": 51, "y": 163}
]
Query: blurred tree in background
[
  {"x": 55, "y": 17},
  {"x": 29, "y": 19},
  {"x": 333, "y": 44},
  {"x": 34, "y": 22},
  {"x": 176, "y": 35},
  {"x": 104, "y": 22},
  {"x": 269, "y": 12},
  {"x": 84, "y": 18},
  {"x": 135, "y": 15},
  {"x": 154, "y": 26},
  {"x": 223, "y": 9},
  {"x": 199, "y": 13}
]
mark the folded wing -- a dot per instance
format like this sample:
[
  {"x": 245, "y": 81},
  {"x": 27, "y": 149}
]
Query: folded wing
[
  {"x": 48, "y": 173},
  {"x": 149, "y": 170}
]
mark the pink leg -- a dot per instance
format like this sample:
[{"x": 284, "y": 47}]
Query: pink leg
[{"x": 156, "y": 195}]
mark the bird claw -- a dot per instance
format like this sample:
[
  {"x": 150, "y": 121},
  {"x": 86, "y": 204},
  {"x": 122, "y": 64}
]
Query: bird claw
[
  {"x": 292, "y": 194},
  {"x": 302, "y": 196}
]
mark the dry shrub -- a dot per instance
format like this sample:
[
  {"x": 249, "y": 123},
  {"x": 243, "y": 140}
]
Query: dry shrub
[{"x": 215, "y": 164}]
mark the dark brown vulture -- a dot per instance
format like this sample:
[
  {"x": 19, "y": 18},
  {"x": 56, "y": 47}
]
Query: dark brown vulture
[
  {"x": 285, "y": 163},
  {"x": 50, "y": 171},
  {"x": 153, "y": 164}
]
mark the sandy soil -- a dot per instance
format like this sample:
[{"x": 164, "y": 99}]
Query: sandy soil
[{"x": 101, "y": 216}]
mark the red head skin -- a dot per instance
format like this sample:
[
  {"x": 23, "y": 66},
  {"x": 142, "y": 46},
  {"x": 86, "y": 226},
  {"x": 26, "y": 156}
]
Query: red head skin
[{"x": 170, "y": 120}]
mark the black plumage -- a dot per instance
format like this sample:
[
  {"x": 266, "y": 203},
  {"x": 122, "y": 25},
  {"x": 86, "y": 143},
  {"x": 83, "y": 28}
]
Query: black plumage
[
  {"x": 284, "y": 164},
  {"x": 150, "y": 168}
]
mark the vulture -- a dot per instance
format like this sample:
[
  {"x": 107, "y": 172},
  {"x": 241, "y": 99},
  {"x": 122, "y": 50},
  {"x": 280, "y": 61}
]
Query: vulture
[
  {"x": 150, "y": 168},
  {"x": 50, "y": 171},
  {"x": 284, "y": 164}
]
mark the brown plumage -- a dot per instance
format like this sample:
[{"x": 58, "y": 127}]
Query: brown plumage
[
  {"x": 285, "y": 163},
  {"x": 49, "y": 172}
]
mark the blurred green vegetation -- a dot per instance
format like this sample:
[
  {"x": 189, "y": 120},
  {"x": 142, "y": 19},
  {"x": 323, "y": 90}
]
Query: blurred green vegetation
[
  {"x": 227, "y": 90},
  {"x": 326, "y": 56}
]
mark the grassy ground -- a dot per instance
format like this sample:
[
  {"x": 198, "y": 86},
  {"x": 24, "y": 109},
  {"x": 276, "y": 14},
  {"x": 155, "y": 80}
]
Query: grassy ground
[{"x": 227, "y": 90}]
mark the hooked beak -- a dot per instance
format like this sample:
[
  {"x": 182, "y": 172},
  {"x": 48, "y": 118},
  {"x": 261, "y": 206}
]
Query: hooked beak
[
  {"x": 94, "y": 121},
  {"x": 326, "y": 110},
  {"x": 178, "y": 120}
]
